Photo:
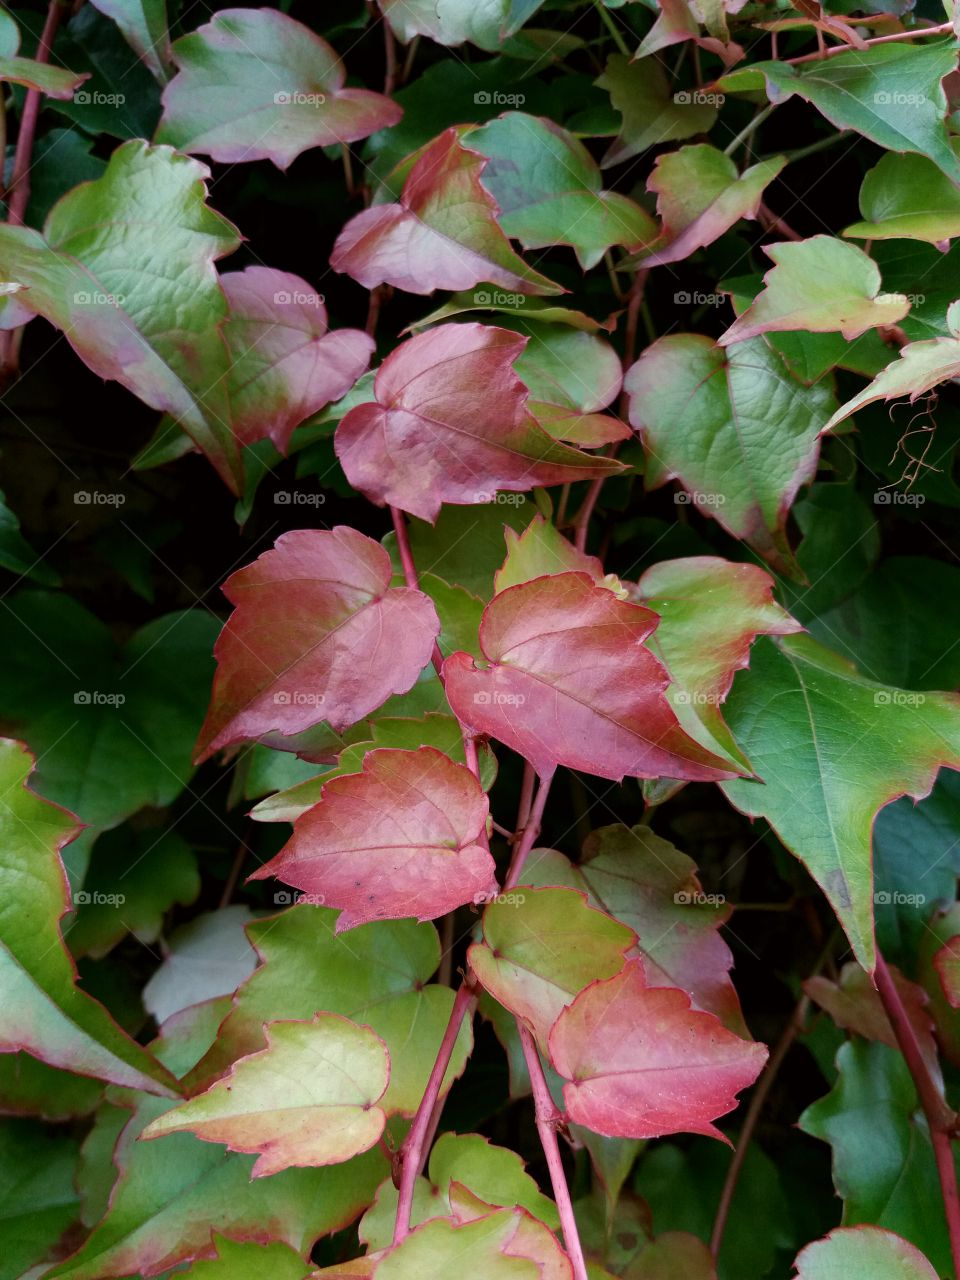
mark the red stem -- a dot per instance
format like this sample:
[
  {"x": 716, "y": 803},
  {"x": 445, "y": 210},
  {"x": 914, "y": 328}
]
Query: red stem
[
  {"x": 945, "y": 28},
  {"x": 530, "y": 832},
  {"x": 413, "y": 581},
  {"x": 548, "y": 1120},
  {"x": 19, "y": 192},
  {"x": 413, "y": 1153},
  {"x": 939, "y": 1116}
]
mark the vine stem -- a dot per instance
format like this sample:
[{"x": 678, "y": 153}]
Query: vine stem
[
  {"x": 749, "y": 129},
  {"x": 940, "y": 1118},
  {"x": 944, "y": 29},
  {"x": 548, "y": 1120},
  {"x": 530, "y": 832},
  {"x": 414, "y": 1149},
  {"x": 20, "y": 178},
  {"x": 412, "y": 579}
]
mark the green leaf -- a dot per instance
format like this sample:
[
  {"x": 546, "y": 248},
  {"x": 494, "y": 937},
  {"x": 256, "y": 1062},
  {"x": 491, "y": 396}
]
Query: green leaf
[
  {"x": 29, "y": 1087},
  {"x": 208, "y": 956},
  {"x": 819, "y": 285},
  {"x": 539, "y": 550},
  {"x": 841, "y": 543},
  {"x": 307, "y": 967},
  {"x": 38, "y": 1201},
  {"x": 307, "y": 1099},
  {"x": 144, "y": 27},
  {"x": 55, "y": 82},
  {"x": 641, "y": 93},
  {"x": 883, "y": 1163},
  {"x": 249, "y": 1261},
  {"x": 103, "y": 274},
  {"x": 486, "y": 23},
  {"x": 863, "y": 1253},
  {"x": 908, "y": 196},
  {"x": 44, "y": 1010},
  {"x": 890, "y": 93},
  {"x": 493, "y": 1173},
  {"x": 688, "y": 399},
  {"x": 437, "y": 1249},
  {"x": 62, "y": 685},
  {"x": 17, "y": 555},
  {"x": 820, "y": 737},
  {"x": 550, "y": 191}
]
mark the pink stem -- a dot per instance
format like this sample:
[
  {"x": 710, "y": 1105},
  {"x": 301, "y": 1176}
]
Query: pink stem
[
  {"x": 413, "y": 1152},
  {"x": 945, "y": 28},
  {"x": 412, "y": 577},
  {"x": 530, "y": 833},
  {"x": 548, "y": 1119},
  {"x": 20, "y": 178},
  {"x": 939, "y": 1116}
]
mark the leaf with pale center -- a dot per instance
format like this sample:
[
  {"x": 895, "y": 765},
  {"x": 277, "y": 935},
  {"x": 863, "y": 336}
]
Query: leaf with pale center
[{"x": 862, "y": 1253}]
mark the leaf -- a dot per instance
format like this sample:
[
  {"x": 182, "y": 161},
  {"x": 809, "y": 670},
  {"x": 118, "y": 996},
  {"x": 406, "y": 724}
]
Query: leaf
[
  {"x": 253, "y": 84},
  {"x": 641, "y": 1063},
  {"x": 451, "y": 423},
  {"x": 54, "y": 82},
  {"x": 640, "y": 91},
  {"x": 947, "y": 964},
  {"x": 443, "y": 233},
  {"x": 688, "y": 400},
  {"x": 452, "y": 22},
  {"x": 465, "y": 545},
  {"x": 103, "y": 274},
  {"x": 307, "y": 1099},
  {"x": 144, "y": 27},
  {"x": 207, "y": 957},
  {"x": 44, "y": 1010},
  {"x": 570, "y": 682},
  {"x": 935, "y": 956},
  {"x": 462, "y": 1160},
  {"x": 436, "y": 1249},
  {"x": 711, "y": 611},
  {"x": 700, "y": 196},
  {"x": 643, "y": 880},
  {"x": 549, "y": 190},
  {"x": 538, "y": 551},
  {"x": 907, "y": 196},
  {"x": 541, "y": 947},
  {"x": 376, "y": 974},
  {"x": 112, "y": 728},
  {"x": 17, "y": 555},
  {"x": 919, "y": 367},
  {"x": 890, "y": 93},
  {"x": 862, "y": 1253},
  {"x": 28, "y": 1087},
  {"x": 570, "y": 374},
  {"x": 819, "y": 735},
  {"x": 673, "y": 1256},
  {"x": 854, "y": 1004},
  {"x": 820, "y": 285},
  {"x": 38, "y": 1201},
  {"x": 284, "y": 365},
  {"x": 677, "y": 23},
  {"x": 250, "y": 1261},
  {"x": 305, "y": 642},
  {"x": 883, "y": 1163},
  {"x": 399, "y": 839}
]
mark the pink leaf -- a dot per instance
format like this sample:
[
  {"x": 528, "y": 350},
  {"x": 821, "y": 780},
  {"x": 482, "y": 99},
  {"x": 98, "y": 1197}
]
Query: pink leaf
[
  {"x": 443, "y": 233},
  {"x": 284, "y": 365},
  {"x": 642, "y": 1063},
  {"x": 571, "y": 682},
  {"x": 397, "y": 840},
  {"x": 318, "y": 634},
  {"x": 450, "y": 424}
]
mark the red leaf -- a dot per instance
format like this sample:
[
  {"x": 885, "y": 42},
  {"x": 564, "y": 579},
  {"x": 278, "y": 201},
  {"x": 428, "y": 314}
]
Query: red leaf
[
  {"x": 571, "y": 682},
  {"x": 443, "y": 233},
  {"x": 318, "y": 635},
  {"x": 284, "y": 365},
  {"x": 643, "y": 1063},
  {"x": 451, "y": 424},
  {"x": 397, "y": 840}
]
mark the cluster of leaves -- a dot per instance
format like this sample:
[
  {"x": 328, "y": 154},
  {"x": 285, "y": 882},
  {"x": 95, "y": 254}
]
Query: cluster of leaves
[{"x": 620, "y": 534}]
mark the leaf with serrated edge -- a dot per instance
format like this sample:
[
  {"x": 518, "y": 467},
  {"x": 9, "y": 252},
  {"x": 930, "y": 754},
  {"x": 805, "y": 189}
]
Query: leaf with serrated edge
[
  {"x": 862, "y": 1253},
  {"x": 907, "y": 196},
  {"x": 651, "y": 115},
  {"x": 309, "y": 1098},
  {"x": 317, "y": 635},
  {"x": 398, "y": 839},
  {"x": 538, "y": 551},
  {"x": 451, "y": 423},
  {"x": 442, "y": 234},
  {"x": 819, "y": 285},
  {"x": 641, "y": 1063},
  {"x": 571, "y": 682},
  {"x": 819, "y": 735},
  {"x": 254, "y": 84},
  {"x": 437, "y": 1250}
]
